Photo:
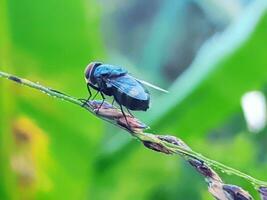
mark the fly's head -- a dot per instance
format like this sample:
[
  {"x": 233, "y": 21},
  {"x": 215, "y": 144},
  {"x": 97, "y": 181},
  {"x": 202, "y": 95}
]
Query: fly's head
[{"x": 89, "y": 72}]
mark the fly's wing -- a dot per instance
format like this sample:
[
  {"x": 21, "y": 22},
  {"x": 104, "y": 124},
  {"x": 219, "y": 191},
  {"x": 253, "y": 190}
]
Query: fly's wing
[
  {"x": 151, "y": 85},
  {"x": 130, "y": 86}
]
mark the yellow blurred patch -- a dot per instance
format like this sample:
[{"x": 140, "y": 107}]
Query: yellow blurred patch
[{"x": 31, "y": 158}]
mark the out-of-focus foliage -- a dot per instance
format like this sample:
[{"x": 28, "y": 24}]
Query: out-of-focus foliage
[{"x": 51, "y": 150}]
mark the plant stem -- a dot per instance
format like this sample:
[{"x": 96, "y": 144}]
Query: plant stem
[{"x": 142, "y": 136}]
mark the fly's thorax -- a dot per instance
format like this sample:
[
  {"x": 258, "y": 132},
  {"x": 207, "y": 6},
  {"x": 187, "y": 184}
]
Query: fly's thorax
[
  {"x": 89, "y": 72},
  {"x": 105, "y": 71}
]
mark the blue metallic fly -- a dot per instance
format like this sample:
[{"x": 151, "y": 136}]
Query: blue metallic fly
[{"x": 115, "y": 81}]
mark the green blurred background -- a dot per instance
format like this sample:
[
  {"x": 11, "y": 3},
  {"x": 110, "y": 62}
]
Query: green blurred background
[{"x": 208, "y": 53}]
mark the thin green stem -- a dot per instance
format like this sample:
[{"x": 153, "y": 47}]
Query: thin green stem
[
  {"x": 142, "y": 136},
  {"x": 39, "y": 87},
  {"x": 191, "y": 153}
]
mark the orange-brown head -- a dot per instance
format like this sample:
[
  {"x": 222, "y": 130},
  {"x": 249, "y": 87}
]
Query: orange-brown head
[{"x": 89, "y": 71}]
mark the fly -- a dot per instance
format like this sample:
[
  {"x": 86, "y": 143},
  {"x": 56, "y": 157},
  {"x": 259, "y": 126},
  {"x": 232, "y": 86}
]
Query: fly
[{"x": 115, "y": 81}]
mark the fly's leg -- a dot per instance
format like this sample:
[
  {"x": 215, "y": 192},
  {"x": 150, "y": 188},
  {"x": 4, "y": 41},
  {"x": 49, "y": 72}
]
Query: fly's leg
[
  {"x": 99, "y": 89},
  {"x": 103, "y": 97},
  {"x": 113, "y": 101},
  {"x": 89, "y": 85},
  {"x": 124, "y": 116},
  {"x": 85, "y": 101},
  {"x": 130, "y": 112},
  {"x": 95, "y": 95},
  {"x": 90, "y": 93}
]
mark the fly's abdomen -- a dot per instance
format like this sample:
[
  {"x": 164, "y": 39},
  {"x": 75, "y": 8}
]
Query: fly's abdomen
[{"x": 130, "y": 102}]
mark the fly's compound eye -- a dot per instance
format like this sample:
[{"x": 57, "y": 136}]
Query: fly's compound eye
[
  {"x": 90, "y": 69},
  {"x": 97, "y": 64}
]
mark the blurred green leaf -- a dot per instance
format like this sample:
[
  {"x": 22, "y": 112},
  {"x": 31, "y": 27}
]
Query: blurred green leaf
[
  {"x": 209, "y": 92},
  {"x": 51, "y": 42}
]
